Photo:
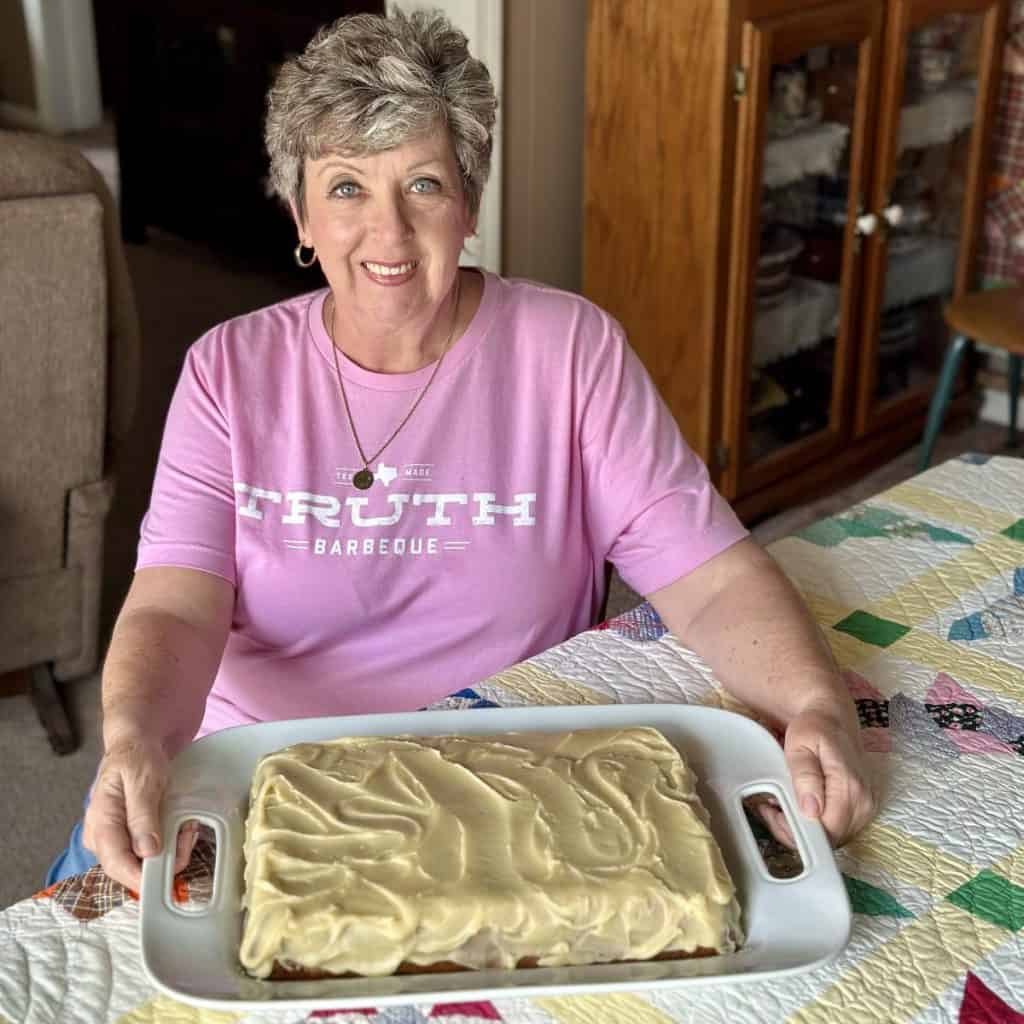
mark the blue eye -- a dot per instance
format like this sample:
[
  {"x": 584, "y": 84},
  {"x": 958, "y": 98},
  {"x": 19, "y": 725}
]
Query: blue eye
[
  {"x": 424, "y": 186},
  {"x": 346, "y": 189}
]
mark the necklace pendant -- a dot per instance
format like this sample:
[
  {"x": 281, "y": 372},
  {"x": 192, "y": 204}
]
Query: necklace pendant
[{"x": 363, "y": 479}]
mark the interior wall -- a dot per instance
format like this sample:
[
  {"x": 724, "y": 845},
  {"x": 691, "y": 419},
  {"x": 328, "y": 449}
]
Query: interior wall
[
  {"x": 542, "y": 219},
  {"x": 17, "y": 82}
]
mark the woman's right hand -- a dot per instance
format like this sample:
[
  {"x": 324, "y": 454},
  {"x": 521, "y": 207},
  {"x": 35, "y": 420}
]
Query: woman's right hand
[{"x": 122, "y": 822}]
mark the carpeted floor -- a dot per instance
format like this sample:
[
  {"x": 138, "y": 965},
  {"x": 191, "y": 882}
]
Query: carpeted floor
[{"x": 182, "y": 290}]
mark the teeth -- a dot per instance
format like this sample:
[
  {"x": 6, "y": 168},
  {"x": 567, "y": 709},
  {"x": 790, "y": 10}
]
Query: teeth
[{"x": 378, "y": 268}]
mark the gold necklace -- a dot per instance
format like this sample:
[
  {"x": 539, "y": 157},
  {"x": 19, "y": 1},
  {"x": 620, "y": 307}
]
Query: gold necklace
[{"x": 363, "y": 479}]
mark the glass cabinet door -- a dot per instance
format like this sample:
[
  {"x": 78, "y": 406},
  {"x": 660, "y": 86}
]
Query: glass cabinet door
[
  {"x": 801, "y": 169},
  {"x": 924, "y": 213}
]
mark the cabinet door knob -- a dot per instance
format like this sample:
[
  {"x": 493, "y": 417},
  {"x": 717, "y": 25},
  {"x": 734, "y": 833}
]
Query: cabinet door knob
[
  {"x": 893, "y": 215},
  {"x": 867, "y": 224}
]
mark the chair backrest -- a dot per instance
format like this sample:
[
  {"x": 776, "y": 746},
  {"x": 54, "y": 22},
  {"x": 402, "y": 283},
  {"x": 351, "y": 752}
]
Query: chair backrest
[
  {"x": 68, "y": 377},
  {"x": 53, "y": 371}
]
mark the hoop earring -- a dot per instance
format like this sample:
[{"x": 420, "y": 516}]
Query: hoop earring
[{"x": 305, "y": 264}]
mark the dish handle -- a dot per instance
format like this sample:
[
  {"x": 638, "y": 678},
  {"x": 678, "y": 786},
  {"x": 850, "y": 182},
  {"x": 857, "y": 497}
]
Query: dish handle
[
  {"x": 158, "y": 880},
  {"x": 811, "y": 839},
  {"x": 777, "y": 899}
]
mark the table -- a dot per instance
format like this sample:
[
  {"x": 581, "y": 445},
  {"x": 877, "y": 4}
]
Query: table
[{"x": 920, "y": 591}]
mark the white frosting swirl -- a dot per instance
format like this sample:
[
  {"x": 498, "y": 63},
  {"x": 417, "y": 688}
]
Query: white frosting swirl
[{"x": 573, "y": 847}]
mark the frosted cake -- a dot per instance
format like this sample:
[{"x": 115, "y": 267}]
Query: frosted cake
[{"x": 376, "y": 855}]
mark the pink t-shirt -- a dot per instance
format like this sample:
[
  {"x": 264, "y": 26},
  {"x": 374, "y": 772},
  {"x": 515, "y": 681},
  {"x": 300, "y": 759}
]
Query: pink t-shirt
[{"x": 540, "y": 451}]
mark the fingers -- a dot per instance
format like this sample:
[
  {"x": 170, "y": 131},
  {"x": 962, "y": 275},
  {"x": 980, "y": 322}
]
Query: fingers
[
  {"x": 808, "y": 781},
  {"x": 849, "y": 806},
  {"x": 848, "y": 803},
  {"x": 114, "y": 850},
  {"x": 829, "y": 776},
  {"x": 187, "y": 835},
  {"x": 771, "y": 814},
  {"x": 849, "y": 800},
  {"x": 122, "y": 822},
  {"x": 142, "y": 809},
  {"x": 104, "y": 833}
]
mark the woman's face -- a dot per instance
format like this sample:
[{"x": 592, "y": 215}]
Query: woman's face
[{"x": 388, "y": 229}]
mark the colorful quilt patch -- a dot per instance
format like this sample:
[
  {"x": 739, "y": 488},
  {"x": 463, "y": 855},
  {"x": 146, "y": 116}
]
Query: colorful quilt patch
[
  {"x": 479, "y": 1011},
  {"x": 917, "y": 734},
  {"x": 992, "y": 898},
  {"x": 343, "y": 1016},
  {"x": 868, "y": 521},
  {"x": 976, "y": 727},
  {"x": 951, "y": 720},
  {"x": 1003, "y": 620},
  {"x": 1015, "y": 531},
  {"x": 91, "y": 895},
  {"x": 873, "y": 712},
  {"x": 642, "y": 624},
  {"x": 439, "y": 1014},
  {"x": 955, "y": 716},
  {"x": 871, "y": 629},
  {"x": 982, "y": 1006},
  {"x": 462, "y": 699},
  {"x": 870, "y": 900}
]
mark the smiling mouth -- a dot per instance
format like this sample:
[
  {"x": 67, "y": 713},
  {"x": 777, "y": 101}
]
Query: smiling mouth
[{"x": 390, "y": 269}]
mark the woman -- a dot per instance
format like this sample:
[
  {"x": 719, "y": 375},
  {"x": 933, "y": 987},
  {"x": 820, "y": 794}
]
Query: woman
[{"x": 374, "y": 495}]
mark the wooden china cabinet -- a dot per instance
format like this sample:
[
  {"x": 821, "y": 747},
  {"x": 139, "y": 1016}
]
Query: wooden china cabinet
[{"x": 779, "y": 197}]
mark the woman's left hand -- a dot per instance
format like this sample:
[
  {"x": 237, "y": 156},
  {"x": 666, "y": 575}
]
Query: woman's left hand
[{"x": 829, "y": 773}]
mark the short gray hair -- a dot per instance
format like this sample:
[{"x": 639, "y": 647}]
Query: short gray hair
[{"x": 368, "y": 83}]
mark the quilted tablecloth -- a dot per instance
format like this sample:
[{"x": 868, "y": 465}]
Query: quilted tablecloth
[{"x": 921, "y": 594}]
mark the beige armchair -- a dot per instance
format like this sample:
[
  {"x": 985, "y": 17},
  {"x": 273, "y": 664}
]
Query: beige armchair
[{"x": 68, "y": 375}]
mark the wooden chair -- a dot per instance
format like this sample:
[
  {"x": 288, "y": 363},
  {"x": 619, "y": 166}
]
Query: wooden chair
[{"x": 994, "y": 318}]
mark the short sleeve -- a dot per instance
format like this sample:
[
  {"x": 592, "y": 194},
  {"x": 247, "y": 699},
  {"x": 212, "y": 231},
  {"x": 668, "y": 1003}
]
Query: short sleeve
[
  {"x": 651, "y": 506},
  {"x": 191, "y": 517}
]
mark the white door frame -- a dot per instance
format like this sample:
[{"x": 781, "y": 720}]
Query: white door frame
[
  {"x": 62, "y": 50},
  {"x": 483, "y": 23}
]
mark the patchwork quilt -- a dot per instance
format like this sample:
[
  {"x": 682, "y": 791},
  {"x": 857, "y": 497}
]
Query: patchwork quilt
[{"x": 920, "y": 591}]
